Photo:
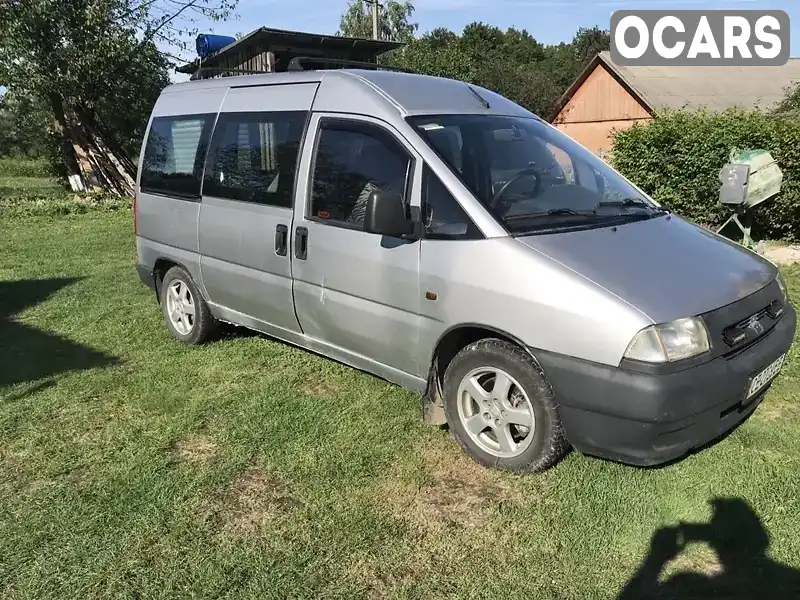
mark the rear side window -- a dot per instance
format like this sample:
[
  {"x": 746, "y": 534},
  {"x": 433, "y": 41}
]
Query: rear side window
[
  {"x": 174, "y": 154},
  {"x": 253, "y": 157}
]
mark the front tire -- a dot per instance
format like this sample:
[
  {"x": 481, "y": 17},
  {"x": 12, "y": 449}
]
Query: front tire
[
  {"x": 186, "y": 313},
  {"x": 501, "y": 408}
]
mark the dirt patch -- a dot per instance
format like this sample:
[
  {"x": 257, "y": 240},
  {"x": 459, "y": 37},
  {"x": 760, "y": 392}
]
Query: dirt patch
[
  {"x": 451, "y": 491},
  {"x": 38, "y": 485},
  {"x": 320, "y": 389},
  {"x": 452, "y": 506},
  {"x": 772, "y": 409},
  {"x": 195, "y": 449},
  {"x": 769, "y": 411},
  {"x": 782, "y": 254},
  {"x": 73, "y": 478},
  {"x": 253, "y": 499},
  {"x": 381, "y": 581},
  {"x": 695, "y": 559}
]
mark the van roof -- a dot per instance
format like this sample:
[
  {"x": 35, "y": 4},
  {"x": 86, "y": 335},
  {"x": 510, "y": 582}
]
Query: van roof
[{"x": 353, "y": 89}]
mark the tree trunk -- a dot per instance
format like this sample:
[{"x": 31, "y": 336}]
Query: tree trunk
[{"x": 68, "y": 154}]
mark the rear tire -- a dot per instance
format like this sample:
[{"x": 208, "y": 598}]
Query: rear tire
[
  {"x": 186, "y": 313},
  {"x": 501, "y": 409}
]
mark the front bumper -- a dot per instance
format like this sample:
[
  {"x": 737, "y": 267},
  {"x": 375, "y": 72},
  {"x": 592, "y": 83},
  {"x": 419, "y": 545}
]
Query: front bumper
[{"x": 646, "y": 419}]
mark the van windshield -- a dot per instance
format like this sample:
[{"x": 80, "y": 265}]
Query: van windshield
[{"x": 531, "y": 176}]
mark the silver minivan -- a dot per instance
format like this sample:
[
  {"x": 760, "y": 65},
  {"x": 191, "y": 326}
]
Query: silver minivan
[{"x": 439, "y": 236}]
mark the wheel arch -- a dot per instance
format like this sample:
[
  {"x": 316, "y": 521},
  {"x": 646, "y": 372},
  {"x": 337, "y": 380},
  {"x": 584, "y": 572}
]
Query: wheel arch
[
  {"x": 160, "y": 268},
  {"x": 450, "y": 343}
]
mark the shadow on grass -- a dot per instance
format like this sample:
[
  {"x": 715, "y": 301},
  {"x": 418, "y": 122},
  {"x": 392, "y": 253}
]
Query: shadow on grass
[
  {"x": 28, "y": 354},
  {"x": 744, "y": 570}
]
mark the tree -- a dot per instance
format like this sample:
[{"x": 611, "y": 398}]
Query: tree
[
  {"x": 95, "y": 67},
  {"x": 23, "y": 126},
  {"x": 560, "y": 64},
  {"x": 511, "y": 62},
  {"x": 436, "y": 54},
  {"x": 394, "y": 20},
  {"x": 508, "y": 62},
  {"x": 440, "y": 38},
  {"x": 589, "y": 42}
]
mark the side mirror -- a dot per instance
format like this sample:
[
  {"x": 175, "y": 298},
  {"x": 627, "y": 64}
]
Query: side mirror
[
  {"x": 386, "y": 215},
  {"x": 734, "y": 179}
]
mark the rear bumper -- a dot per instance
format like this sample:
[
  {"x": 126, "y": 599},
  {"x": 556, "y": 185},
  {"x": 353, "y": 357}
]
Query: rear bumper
[
  {"x": 146, "y": 275},
  {"x": 646, "y": 419}
]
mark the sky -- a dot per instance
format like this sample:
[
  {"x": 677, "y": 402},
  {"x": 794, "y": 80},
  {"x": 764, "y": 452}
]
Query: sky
[{"x": 549, "y": 21}]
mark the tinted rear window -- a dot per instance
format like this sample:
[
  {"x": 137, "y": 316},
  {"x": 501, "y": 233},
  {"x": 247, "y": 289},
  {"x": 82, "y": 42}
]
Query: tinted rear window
[
  {"x": 174, "y": 155},
  {"x": 253, "y": 157}
]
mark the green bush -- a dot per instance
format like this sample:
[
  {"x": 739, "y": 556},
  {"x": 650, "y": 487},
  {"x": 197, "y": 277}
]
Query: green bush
[
  {"x": 677, "y": 156},
  {"x": 23, "y": 167},
  {"x": 34, "y": 203}
]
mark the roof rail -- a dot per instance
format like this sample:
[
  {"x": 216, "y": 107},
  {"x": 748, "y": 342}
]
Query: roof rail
[
  {"x": 297, "y": 64},
  {"x": 221, "y": 70}
]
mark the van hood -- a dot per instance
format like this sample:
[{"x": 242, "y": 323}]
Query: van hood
[{"x": 664, "y": 266}]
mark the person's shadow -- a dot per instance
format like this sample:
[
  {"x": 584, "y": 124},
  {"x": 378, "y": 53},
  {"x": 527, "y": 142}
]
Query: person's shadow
[
  {"x": 28, "y": 353},
  {"x": 736, "y": 534}
]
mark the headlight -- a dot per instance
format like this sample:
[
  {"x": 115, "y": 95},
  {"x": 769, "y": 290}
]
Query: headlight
[
  {"x": 782, "y": 285},
  {"x": 669, "y": 342}
]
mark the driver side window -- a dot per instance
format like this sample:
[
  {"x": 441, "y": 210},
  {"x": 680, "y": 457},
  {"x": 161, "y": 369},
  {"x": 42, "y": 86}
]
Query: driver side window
[{"x": 352, "y": 160}]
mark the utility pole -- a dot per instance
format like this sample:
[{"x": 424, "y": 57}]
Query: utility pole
[{"x": 374, "y": 18}]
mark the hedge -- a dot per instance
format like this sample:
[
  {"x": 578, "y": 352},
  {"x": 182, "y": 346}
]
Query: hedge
[{"x": 676, "y": 158}]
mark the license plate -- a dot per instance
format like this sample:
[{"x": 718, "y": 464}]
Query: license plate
[{"x": 763, "y": 378}]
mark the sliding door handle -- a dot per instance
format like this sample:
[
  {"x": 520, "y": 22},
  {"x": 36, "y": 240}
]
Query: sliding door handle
[{"x": 301, "y": 243}]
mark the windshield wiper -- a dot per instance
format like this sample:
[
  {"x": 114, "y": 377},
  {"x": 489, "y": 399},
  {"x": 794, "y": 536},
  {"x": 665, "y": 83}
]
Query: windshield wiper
[
  {"x": 628, "y": 202},
  {"x": 553, "y": 212}
]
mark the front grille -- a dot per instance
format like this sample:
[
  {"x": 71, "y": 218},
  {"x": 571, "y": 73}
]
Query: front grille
[
  {"x": 754, "y": 327},
  {"x": 757, "y": 317},
  {"x": 737, "y": 326}
]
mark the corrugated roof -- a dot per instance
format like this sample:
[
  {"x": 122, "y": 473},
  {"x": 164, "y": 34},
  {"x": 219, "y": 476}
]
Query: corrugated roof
[{"x": 715, "y": 88}]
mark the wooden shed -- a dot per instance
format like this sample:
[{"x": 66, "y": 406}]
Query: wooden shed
[
  {"x": 272, "y": 50},
  {"x": 608, "y": 96}
]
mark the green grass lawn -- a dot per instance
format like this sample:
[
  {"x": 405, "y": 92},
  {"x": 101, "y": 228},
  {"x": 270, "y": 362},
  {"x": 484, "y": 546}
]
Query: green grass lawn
[
  {"x": 23, "y": 177},
  {"x": 9, "y": 185},
  {"x": 132, "y": 466}
]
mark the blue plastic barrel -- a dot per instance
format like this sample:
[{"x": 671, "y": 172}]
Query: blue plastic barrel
[{"x": 207, "y": 43}]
